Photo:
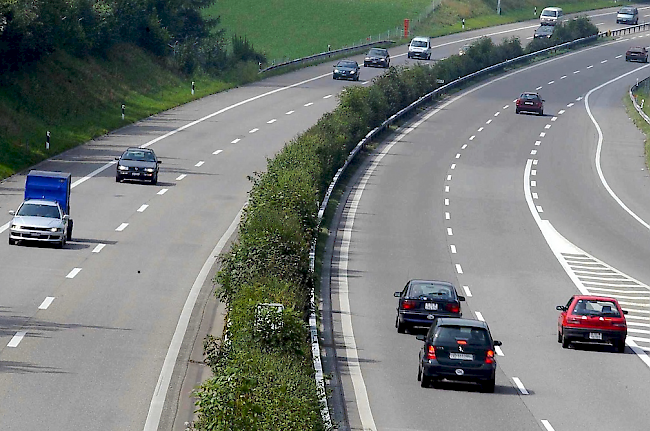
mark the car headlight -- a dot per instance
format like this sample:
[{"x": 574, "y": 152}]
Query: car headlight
[
  {"x": 122, "y": 168},
  {"x": 55, "y": 229},
  {"x": 15, "y": 226},
  {"x": 337, "y": 71},
  {"x": 148, "y": 169}
]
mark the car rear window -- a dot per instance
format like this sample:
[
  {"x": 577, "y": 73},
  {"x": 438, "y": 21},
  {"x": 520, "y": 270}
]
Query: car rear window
[
  {"x": 529, "y": 96},
  {"x": 431, "y": 290},
  {"x": 472, "y": 335},
  {"x": 595, "y": 307}
]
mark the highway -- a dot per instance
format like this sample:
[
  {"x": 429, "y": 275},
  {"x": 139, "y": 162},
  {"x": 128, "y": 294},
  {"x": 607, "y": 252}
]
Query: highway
[
  {"x": 513, "y": 209},
  {"x": 90, "y": 335}
]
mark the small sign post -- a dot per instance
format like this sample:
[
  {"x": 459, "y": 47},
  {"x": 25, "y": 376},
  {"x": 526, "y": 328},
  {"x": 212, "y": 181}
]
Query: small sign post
[
  {"x": 47, "y": 140},
  {"x": 192, "y": 88},
  {"x": 123, "y": 107}
]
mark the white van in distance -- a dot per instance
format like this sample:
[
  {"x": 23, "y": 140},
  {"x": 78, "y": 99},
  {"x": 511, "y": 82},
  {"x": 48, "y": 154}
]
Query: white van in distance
[
  {"x": 420, "y": 47},
  {"x": 550, "y": 16}
]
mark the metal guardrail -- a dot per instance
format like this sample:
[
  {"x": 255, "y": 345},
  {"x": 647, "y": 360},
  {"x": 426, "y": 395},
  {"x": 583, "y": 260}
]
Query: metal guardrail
[
  {"x": 325, "y": 54},
  {"x": 626, "y": 30},
  {"x": 639, "y": 108},
  {"x": 320, "y": 383}
]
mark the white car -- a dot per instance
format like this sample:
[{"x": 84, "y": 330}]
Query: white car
[
  {"x": 420, "y": 47},
  {"x": 550, "y": 15},
  {"x": 41, "y": 221}
]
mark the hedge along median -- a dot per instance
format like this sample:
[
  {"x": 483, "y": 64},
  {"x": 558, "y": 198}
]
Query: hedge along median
[{"x": 263, "y": 374}]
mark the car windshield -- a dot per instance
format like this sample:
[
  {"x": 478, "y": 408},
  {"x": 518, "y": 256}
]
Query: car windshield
[
  {"x": 549, "y": 13},
  {"x": 419, "y": 43},
  {"x": 545, "y": 29},
  {"x": 377, "y": 52},
  {"x": 430, "y": 290},
  {"x": 595, "y": 307},
  {"x": 470, "y": 334},
  {"x": 627, "y": 10},
  {"x": 346, "y": 63},
  {"x": 141, "y": 156},
  {"x": 38, "y": 210}
]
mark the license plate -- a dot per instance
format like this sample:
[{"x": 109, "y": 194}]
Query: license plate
[
  {"x": 136, "y": 174},
  {"x": 595, "y": 336},
  {"x": 461, "y": 356},
  {"x": 430, "y": 306},
  {"x": 528, "y": 103}
]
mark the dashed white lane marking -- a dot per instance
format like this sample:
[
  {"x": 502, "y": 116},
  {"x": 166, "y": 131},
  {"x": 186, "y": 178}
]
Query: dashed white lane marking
[
  {"x": 538, "y": 143},
  {"x": 142, "y": 208},
  {"x": 548, "y": 126},
  {"x": 561, "y": 111},
  {"x": 550, "y": 82},
  {"x": 506, "y": 107},
  {"x": 453, "y": 166},
  {"x": 534, "y": 162},
  {"x": 542, "y": 134},
  {"x": 289, "y": 112},
  {"x": 446, "y": 189},
  {"x": 235, "y": 141},
  {"x": 533, "y": 172},
  {"x": 327, "y": 97},
  {"x": 459, "y": 269},
  {"x": 121, "y": 227},
  {"x": 462, "y": 148},
  {"x": 579, "y": 98},
  {"x": 619, "y": 56},
  {"x": 458, "y": 156},
  {"x": 539, "y": 88},
  {"x": 539, "y": 209},
  {"x": 217, "y": 152},
  {"x": 308, "y": 104},
  {"x": 447, "y": 216},
  {"x": 601, "y": 23},
  {"x": 480, "y": 129},
  {"x": 16, "y": 339},
  {"x": 471, "y": 138},
  {"x": 488, "y": 121},
  {"x": 535, "y": 196},
  {"x": 576, "y": 71},
  {"x": 563, "y": 77},
  {"x": 529, "y": 37},
  {"x": 73, "y": 273},
  {"x": 450, "y": 232},
  {"x": 46, "y": 303},
  {"x": 589, "y": 67},
  {"x": 533, "y": 183},
  {"x": 365, "y": 82},
  {"x": 547, "y": 425},
  {"x": 479, "y": 316},
  {"x": 603, "y": 62},
  {"x": 446, "y": 202},
  {"x": 181, "y": 177},
  {"x": 98, "y": 248},
  {"x": 514, "y": 101},
  {"x": 162, "y": 192},
  {"x": 449, "y": 177},
  {"x": 553, "y": 118},
  {"x": 468, "y": 292},
  {"x": 520, "y": 386},
  {"x": 496, "y": 114},
  {"x": 253, "y": 130},
  {"x": 498, "y": 351},
  {"x": 453, "y": 251},
  {"x": 533, "y": 152},
  {"x": 272, "y": 121},
  {"x": 199, "y": 164}
]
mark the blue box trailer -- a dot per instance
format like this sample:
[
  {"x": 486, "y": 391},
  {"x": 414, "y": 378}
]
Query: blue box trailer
[{"x": 50, "y": 186}]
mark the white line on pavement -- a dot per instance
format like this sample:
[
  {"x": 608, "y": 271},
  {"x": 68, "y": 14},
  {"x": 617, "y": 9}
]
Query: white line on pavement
[
  {"x": 143, "y": 208},
  {"x": 480, "y": 129},
  {"x": 73, "y": 273},
  {"x": 462, "y": 148},
  {"x": 538, "y": 142},
  {"x": 447, "y": 216},
  {"x": 533, "y": 152},
  {"x": 563, "y": 77},
  {"x": 542, "y": 134},
  {"x": 468, "y": 292},
  {"x": 471, "y": 138},
  {"x": 450, "y": 232},
  {"x": 539, "y": 209},
  {"x": 458, "y": 155},
  {"x": 121, "y": 227},
  {"x": 98, "y": 248},
  {"x": 497, "y": 114},
  {"x": 561, "y": 111},
  {"x": 199, "y": 164},
  {"x": 533, "y": 172},
  {"x": 488, "y": 121},
  {"x": 449, "y": 177},
  {"x": 539, "y": 88},
  {"x": 479, "y": 316},
  {"x": 446, "y": 189},
  {"x": 253, "y": 130},
  {"x": 453, "y": 251},
  {"x": 619, "y": 56},
  {"x": 533, "y": 183},
  {"x": 162, "y": 192},
  {"x": 506, "y": 107},
  {"x": 603, "y": 62},
  {"x": 459, "y": 269},
  {"x": 46, "y": 303},
  {"x": 590, "y": 66},
  {"x": 309, "y": 104},
  {"x": 547, "y": 425},
  {"x": 235, "y": 141},
  {"x": 453, "y": 166},
  {"x": 180, "y": 177},
  {"x": 548, "y": 126},
  {"x": 16, "y": 339},
  {"x": 551, "y": 82},
  {"x": 446, "y": 202},
  {"x": 553, "y": 118},
  {"x": 217, "y": 152},
  {"x": 520, "y": 386},
  {"x": 535, "y": 196},
  {"x": 576, "y": 71},
  {"x": 498, "y": 351},
  {"x": 327, "y": 97},
  {"x": 289, "y": 112}
]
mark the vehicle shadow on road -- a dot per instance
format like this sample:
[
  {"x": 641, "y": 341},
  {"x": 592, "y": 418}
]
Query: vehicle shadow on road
[
  {"x": 599, "y": 348},
  {"x": 12, "y": 367},
  {"x": 472, "y": 387}
]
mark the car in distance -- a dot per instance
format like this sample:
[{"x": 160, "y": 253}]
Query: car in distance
[
  {"x": 458, "y": 349},
  {"x": 637, "y": 53},
  {"x": 463, "y": 49},
  {"x": 377, "y": 57},
  {"x": 420, "y": 47},
  {"x": 39, "y": 220},
  {"x": 529, "y": 102},
  {"x": 627, "y": 15},
  {"x": 346, "y": 69},
  {"x": 137, "y": 164},
  {"x": 592, "y": 319},
  {"x": 544, "y": 32},
  {"x": 550, "y": 15},
  {"x": 423, "y": 301}
]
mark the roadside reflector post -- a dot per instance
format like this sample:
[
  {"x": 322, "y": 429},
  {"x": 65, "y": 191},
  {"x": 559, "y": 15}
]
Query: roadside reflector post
[
  {"x": 47, "y": 140},
  {"x": 123, "y": 107},
  {"x": 192, "y": 88},
  {"x": 463, "y": 21},
  {"x": 535, "y": 13}
]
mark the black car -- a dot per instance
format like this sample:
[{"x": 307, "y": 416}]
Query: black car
[
  {"x": 137, "y": 164},
  {"x": 637, "y": 53},
  {"x": 458, "y": 349},
  {"x": 377, "y": 57},
  {"x": 423, "y": 301},
  {"x": 346, "y": 69},
  {"x": 544, "y": 32}
]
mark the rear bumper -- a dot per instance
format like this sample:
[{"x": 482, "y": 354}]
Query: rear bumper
[
  {"x": 436, "y": 370},
  {"x": 421, "y": 318},
  {"x": 609, "y": 336}
]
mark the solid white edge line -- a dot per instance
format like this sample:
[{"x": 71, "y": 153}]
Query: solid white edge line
[
  {"x": 158, "y": 399},
  {"x": 520, "y": 386},
  {"x": 98, "y": 248},
  {"x": 46, "y": 303},
  {"x": 16, "y": 339},
  {"x": 547, "y": 425}
]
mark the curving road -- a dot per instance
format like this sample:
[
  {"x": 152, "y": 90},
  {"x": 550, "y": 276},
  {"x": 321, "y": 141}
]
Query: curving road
[
  {"x": 515, "y": 211},
  {"x": 90, "y": 335}
]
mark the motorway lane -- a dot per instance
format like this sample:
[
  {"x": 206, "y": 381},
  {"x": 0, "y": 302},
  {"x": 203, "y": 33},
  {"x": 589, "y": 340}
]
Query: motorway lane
[
  {"x": 103, "y": 338},
  {"x": 400, "y": 232}
]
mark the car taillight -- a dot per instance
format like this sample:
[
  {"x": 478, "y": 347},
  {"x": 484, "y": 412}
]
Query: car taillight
[
  {"x": 452, "y": 308},
  {"x": 408, "y": 304},
  {"x": 431, "y": 352},
  {"x": 619, "y": 324},
  {"x": 573, "y": 320},
  {"x": 489, "y": 357}
]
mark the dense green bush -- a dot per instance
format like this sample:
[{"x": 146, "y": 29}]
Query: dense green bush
[{"x": 565, "y": 32}]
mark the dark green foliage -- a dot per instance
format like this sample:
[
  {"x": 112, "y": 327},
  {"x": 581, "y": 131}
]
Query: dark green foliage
[{"x": 565, "y": 32}]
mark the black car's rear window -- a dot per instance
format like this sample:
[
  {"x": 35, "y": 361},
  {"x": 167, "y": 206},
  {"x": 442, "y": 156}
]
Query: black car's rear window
[
  {"x": 472, "y": 335},
  {"x": 430, "y": 290},
  {"x": 594, "y": 307}
]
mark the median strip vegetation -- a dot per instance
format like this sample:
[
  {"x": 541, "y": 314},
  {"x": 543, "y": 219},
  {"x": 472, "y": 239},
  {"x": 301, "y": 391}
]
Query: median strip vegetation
[{"x": 263, "y": 374}]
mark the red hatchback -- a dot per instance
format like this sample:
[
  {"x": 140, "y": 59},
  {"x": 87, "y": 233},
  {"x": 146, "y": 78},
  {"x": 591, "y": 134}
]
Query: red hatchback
[
  {"x": 529, "y": 102},
  {"x": 592, "y": 319}
]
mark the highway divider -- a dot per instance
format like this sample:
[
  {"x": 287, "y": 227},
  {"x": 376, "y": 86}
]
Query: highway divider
[{"x": 268, "y": 374}]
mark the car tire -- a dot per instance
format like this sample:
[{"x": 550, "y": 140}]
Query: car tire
[
  {"x": 559, "y": 336},
  {"x": 541, "y": 112},
  {"x": 565, "y": 342},
  {"x": 69, "y": 231},
  {"x": 154, "y": 180},
  {"x": 429, "y": 57},
  {"x": 118, "y": 179},
  {"x": 517, "y": 111},
  {"x": 12, "y": 241},
  {"x": 425, "y": 382},
  {"x": 488, "y": 386},
  {"x": 419, "y": 373},
  {"x": 619, "y": 346},
  {"x": 401, "y": 327}
]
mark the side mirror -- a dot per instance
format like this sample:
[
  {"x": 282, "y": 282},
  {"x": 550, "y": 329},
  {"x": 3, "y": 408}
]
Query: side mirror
[
  {"x": 421, "y": 337},
  {"x": 461, "y": 298},
  {"x": 397, "y": 294},
  {"x": 560, "y": 308},
  {"x": 66, "y": 217},
  {"x": 624, "y": 311},
  {"x": 543, "y": 100},
  {"x": 117, "y": 158},
  {"x": 159, "y": 161},
  {"x": 497, "y": 343},
  {"x": 12, "y": 212}
]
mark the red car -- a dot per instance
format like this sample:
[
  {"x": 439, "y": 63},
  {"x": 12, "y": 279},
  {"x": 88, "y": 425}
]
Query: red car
[
  {"x": 637, "y": 53},
  {"x": 592, "y": 319},
  {"x": 530, "y": 102}
]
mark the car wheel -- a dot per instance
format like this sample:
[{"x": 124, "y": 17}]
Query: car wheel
[
  {"x": 69, "y": 231},
  {"x": 429, "y": 57},
  {"x": 401, "y": 327},
  {"x": 118, "y": 179},
  {"x": 619, "y": 346},
  {"x": 488, "y": 386},
  {"x": 541, "y": 112},
  {"x": 517, "y": 111},
  {"x": 154, "y": 180},
  {"x": 419, "y": 373},
  {"x": 425, "y": 382},
  {"x": 12, "y": 241},
  {"x": 559, "y": 336},
  {"x": 565, "y": 342}
]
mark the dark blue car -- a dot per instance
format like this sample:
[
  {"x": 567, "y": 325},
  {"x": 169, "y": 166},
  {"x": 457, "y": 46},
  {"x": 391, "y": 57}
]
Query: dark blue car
[
  {"x": 346, "y": 69},
  {"x": 422, "y": 301}
]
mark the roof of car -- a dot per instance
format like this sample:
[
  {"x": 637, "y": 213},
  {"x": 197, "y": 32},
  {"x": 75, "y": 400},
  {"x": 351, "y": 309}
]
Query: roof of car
[
  {"x": 425, "y": 38},
  {"x": 444, "y": 283},
  {"x": 552, "y": 8},
  {"x": 595, "y": 297},
  {"x": 41, "y": 202},
  {"x": 139, "y": 149},
  {"x": 455, "y": 321},
  {"x": 639, "y": 48}
]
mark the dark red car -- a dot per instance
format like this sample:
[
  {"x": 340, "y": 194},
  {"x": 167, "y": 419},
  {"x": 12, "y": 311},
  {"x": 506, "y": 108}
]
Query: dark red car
[
  {"x": 637, "y": 53},
  {"x": 530, "y": 102},
  {"x": 592, "y": 319}
]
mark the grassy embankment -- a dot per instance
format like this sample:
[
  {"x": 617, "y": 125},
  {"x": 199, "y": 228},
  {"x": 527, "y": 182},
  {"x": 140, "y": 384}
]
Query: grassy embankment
[{"x": 642, "y": 94}]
